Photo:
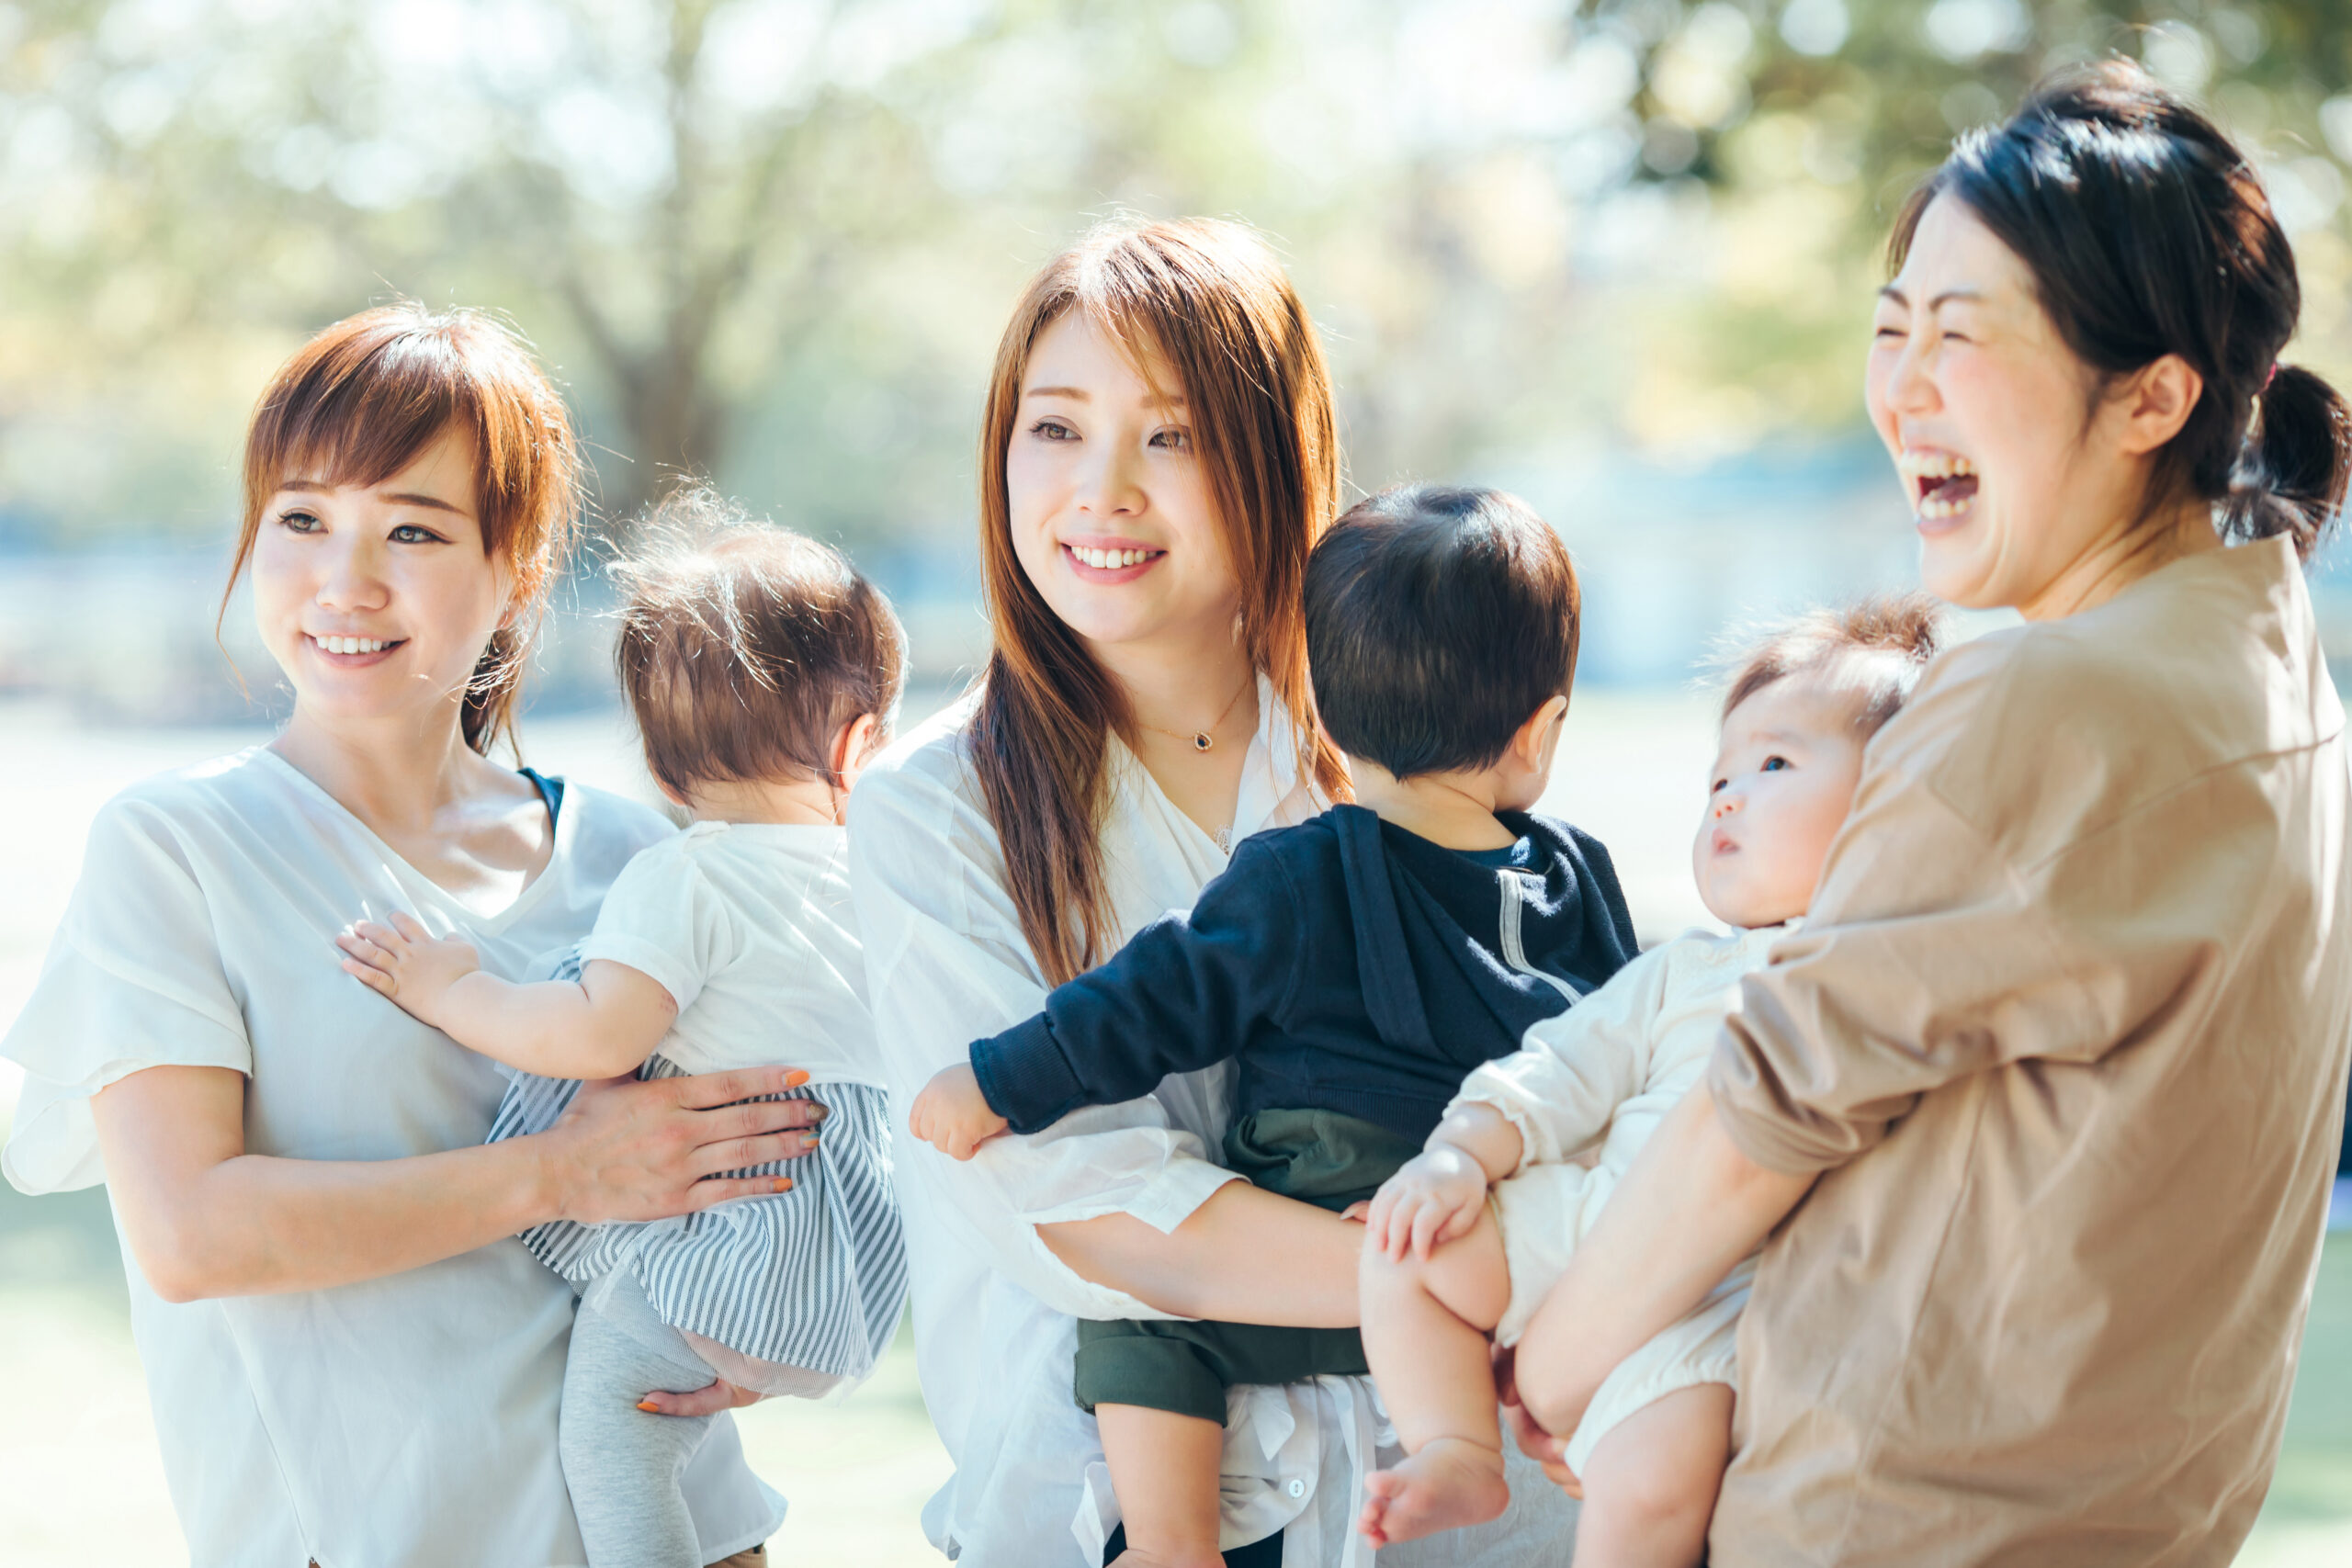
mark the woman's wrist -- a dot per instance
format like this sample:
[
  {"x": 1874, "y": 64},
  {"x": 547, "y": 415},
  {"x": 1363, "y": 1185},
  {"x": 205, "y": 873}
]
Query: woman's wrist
[{"x": 539, "y": 1189}]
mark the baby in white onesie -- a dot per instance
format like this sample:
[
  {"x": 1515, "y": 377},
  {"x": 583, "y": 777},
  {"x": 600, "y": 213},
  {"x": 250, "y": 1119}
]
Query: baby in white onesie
[
  {"x": 1466, "y": 1240},
  {"x": 762, "y": 672}
]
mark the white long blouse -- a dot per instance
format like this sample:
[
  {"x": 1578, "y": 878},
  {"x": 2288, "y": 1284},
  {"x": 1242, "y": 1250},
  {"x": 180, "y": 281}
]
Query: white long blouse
[
  {"x": 408, "y": 1419},
  {"x": 995, "y": 1312}
]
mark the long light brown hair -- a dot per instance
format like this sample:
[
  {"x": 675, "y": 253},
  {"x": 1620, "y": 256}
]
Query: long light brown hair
[
  {"x": 1208, "y": 303},
  {"x": 361, "y": 400}
]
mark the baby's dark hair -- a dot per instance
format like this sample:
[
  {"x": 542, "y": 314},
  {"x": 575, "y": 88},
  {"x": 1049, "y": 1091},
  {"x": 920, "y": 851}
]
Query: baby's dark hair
[
  {"x": 1903, "y": 629},
  {"x": 745, "y": 646},
  {"x": 1438, "y": 620}
]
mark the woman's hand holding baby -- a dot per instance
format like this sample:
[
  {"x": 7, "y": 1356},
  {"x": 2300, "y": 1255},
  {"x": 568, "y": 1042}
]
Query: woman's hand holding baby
[
  {"x": 951, "y": 1115},
  {"x": 408, "y": 963}
]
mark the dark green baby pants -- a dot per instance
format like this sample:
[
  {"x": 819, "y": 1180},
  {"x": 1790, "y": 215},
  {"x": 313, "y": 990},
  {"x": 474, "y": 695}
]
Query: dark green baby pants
[{"x": 1317, "y": 1157}]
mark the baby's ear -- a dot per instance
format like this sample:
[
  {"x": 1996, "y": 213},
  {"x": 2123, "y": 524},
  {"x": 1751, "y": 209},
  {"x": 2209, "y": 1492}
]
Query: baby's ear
[{"x": 1541, "y": 732}]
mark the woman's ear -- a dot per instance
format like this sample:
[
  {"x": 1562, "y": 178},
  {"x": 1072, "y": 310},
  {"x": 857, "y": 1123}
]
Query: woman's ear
[{"x": 2157, "y": 401}]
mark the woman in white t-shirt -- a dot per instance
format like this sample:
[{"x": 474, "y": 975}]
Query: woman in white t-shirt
[
  {"x": 352, "y": 1361},
  {"x": 1158, "y": 455}
]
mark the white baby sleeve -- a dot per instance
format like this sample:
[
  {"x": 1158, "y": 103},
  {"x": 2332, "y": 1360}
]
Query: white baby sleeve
[
  {"x": 133, "y": 980},
  {"x": 1573, "y": 1070},
  {"x": 663, "y": 919}
]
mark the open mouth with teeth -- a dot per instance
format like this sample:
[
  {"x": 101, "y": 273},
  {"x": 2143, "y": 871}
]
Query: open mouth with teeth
[
  {"x": 1098, "y": 559},
  {"x": 1943, "y": 484},
  {"x": 355, "y": 647}
]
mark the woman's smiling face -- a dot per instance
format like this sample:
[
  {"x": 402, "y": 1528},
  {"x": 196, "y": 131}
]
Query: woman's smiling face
[
  {"x": 2011, "y": 459},
  {"x": 378, "y": 601},
  {"x": 1110, "y": 513}
]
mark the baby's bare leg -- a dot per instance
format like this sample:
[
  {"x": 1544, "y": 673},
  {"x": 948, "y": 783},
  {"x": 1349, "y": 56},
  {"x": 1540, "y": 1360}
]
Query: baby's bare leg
[
  {"x": 1165, "y": 1467},
  {"x": 1650, "y": 1485},
  {"x": 1425, "y": 1327}
]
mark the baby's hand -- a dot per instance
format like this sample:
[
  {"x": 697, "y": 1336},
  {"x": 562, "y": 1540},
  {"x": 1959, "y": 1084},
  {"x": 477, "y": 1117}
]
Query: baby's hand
[
  {"x": 1432, "y": 1199},
  {"x": 408, "y": 963},
  {"x": 951, "y": 1115}
]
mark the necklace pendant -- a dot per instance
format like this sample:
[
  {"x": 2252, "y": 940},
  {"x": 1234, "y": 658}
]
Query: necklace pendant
[{"x": 1202, "y": 741}]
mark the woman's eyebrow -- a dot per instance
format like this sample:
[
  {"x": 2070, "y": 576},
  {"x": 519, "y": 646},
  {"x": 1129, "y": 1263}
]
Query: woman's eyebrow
[
  {"x": 1075, "y": 394},
  {"x": 1962, "y": 296},
  {"x": 434, "y": 502}
]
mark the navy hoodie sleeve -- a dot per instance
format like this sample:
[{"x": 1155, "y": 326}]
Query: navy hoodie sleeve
[{"x": 1183, "y": 994}]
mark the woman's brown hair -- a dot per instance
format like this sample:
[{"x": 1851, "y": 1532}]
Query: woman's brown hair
[
  {"x": 361, "y": 400},
  {"x": 1207, "y": 303}
]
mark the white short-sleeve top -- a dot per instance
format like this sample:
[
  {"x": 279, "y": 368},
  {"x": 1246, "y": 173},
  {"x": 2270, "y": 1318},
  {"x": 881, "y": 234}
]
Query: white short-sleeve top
[
  {"x": 749, "y": 927},
  {"x": 408, "y": 1419},
  {"x": 995, "y": 1312}
]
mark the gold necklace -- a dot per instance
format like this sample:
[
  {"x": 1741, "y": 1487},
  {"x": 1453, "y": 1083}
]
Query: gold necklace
[{"x": 1203, "y": 739}]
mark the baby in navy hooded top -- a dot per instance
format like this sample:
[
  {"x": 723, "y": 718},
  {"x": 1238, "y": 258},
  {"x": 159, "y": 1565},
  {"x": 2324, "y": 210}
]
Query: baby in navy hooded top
[
  {"x": 1355, "y": 971},
  {"x": 1350, "y": 966}
]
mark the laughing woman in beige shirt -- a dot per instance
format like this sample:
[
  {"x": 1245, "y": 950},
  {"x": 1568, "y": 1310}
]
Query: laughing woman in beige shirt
[{"x": 2043, "y": 1103}]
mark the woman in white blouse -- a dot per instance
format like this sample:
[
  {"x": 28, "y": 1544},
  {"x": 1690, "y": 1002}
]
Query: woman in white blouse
[
  {"x": 351, "y": 1360},
  {"x": 1158, "y": 456}
]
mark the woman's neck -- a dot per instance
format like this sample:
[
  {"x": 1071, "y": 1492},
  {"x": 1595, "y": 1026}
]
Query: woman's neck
[
  {"x": 1176, "y": 691},
  {"x": 398, "y": 777},
  {"x": 2123, "y": 559},
  {"x": 1180, "y": 687}
]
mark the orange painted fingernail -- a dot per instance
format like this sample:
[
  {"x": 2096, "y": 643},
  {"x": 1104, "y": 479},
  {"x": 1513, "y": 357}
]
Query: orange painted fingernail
[
  {"x": 784, "y": 1184},
  {"x": 649, "y": 1408},
  {"x": 795, "y": 1078}
]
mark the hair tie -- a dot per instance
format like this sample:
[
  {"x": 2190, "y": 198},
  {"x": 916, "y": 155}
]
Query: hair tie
[{"x": 2270, "y": 378}]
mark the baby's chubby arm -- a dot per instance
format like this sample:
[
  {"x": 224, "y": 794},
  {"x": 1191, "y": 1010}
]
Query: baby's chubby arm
[
  {"x": 1434, "y": 1197},
  {"x": 602, "y": 1025}
]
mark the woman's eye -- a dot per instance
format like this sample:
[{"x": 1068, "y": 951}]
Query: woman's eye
[
  {"x": 1173, "y": 440},
  {"x": 1717, "y": 787},
  {"x": 411, "y": 533},
  {"x": 1774, "y": 764},
  {"x": 1053, "y": 430},
  {"x": 300, "y": 522}
]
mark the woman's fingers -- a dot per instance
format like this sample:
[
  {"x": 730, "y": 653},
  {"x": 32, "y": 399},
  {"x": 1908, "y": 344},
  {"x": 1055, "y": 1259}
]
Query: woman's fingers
[
  {"x": 742, "y": 1154},
  {"x": 705, "y": 1092},
  {"x": 720, "y": 1189},
  {"x": 409, "y": 926},
  {"x": 368, "y": 975},
  {"x": 720, "y": 1395},
  {"x": 757, "y": 1119}
]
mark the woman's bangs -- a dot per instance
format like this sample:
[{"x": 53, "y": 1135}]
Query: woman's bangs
[{"x": 359, "y": 425}]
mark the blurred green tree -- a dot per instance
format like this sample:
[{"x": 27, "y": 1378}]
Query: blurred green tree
[{"x": 771, "y": 239}]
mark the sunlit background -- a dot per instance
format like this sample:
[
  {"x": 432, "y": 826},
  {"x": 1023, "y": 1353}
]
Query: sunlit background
[{"x": 1617, "y": 257}]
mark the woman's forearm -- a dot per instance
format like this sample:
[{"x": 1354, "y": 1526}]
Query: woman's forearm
[
  {"x": 1689, "y": 1208},
  {"x": 206, "y": 1219},
  {"x": 1245, "y": 1255}
]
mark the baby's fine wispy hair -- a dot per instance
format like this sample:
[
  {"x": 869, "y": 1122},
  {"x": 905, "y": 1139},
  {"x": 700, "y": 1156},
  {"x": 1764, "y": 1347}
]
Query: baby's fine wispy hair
[
  {"x": 745, "y": 646},
  {"x": 1896, "y": 636}
]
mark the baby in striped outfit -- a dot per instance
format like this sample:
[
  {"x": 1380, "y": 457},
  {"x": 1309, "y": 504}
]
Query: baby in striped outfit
[{"x": 762, "y": 672}]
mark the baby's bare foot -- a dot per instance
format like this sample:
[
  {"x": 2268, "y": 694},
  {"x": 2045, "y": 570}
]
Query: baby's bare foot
[
  {"x": 1146, "y": 1557},
  {"x": 1450, "y": 1482}
]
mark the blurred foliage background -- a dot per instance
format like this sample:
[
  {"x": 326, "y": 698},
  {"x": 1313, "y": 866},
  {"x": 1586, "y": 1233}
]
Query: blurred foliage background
[
  {"x": 1617, "y": 255},
  {"x": 772, "y": 240}
]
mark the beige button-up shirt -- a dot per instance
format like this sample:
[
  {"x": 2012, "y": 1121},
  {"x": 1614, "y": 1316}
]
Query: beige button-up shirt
[{"x": 2066, "y": 1036}]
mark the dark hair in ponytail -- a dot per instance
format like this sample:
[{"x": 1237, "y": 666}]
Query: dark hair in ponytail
[{"x": 2147, "y": 233}]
